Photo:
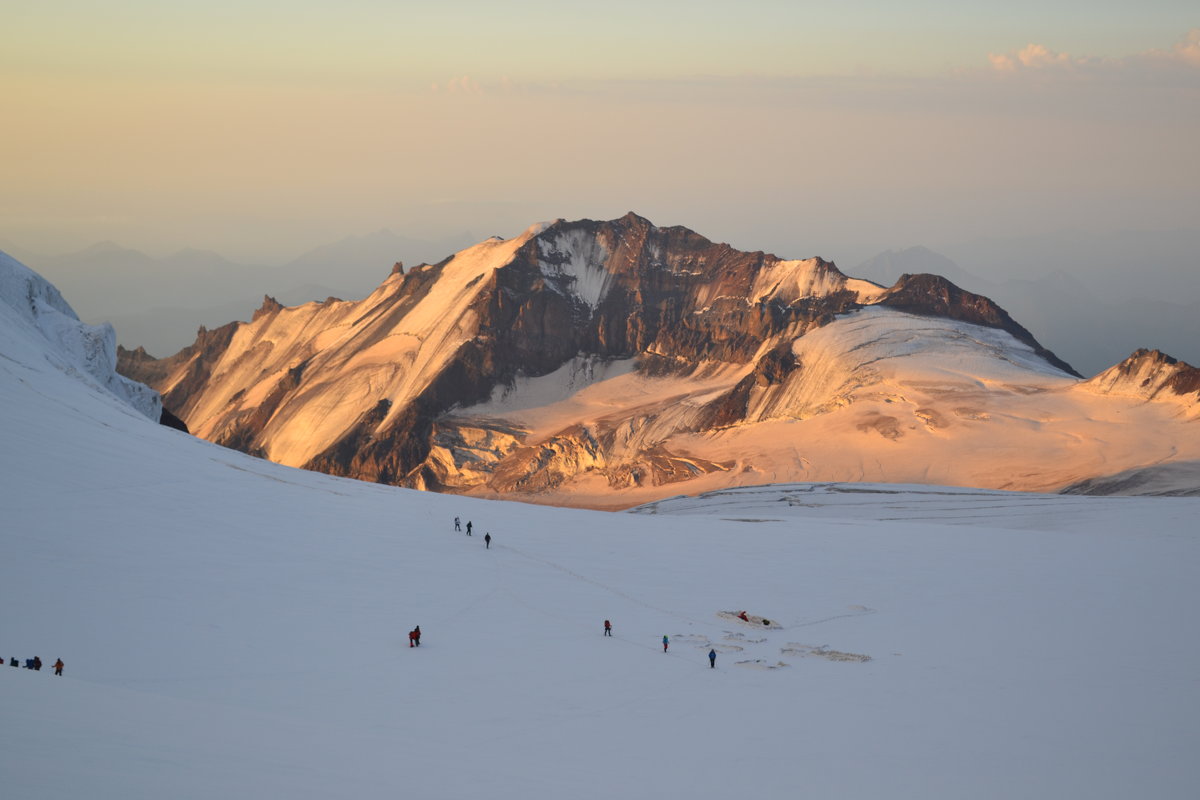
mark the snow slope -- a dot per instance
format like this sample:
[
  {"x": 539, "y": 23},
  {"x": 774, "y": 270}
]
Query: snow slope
[
  {"x": 882, "y": 396},
  {"x": 235, "y": 628},
  {"x": 364, "y": 347}
]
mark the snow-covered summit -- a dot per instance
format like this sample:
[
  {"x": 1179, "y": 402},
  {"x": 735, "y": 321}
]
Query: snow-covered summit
[
  {"x": 791, "y": 282},
  {"x": 40, "y": 327}
]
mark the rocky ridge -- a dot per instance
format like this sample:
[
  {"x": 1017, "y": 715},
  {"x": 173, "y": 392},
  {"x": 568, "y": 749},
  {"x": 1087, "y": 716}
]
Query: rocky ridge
[{"x": 1151, "y": 375}]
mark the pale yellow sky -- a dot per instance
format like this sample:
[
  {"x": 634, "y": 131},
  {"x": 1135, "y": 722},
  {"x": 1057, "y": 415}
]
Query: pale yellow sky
[{"x": 264, "y": 129}]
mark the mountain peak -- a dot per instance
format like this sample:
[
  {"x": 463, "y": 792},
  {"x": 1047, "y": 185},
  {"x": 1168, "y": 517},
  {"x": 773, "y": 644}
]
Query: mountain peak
[
  {"x": 269, "y": 306},
  {"x": 633, "y": 218},
  {"x": 106, "y": 246},
  {"x": 1151, "y": 375},
  {"x": 588, "y": 354}
]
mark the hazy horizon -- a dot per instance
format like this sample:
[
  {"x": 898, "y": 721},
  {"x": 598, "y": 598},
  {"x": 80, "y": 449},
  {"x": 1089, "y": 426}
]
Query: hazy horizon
[{"x": 846, "y": 257}]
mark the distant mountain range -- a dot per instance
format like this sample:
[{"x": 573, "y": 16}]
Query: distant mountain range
[
  {"x": 1092, "y": 299},
  {"x": 159, "y": 303},
  {"x": 611, "y": 363}
]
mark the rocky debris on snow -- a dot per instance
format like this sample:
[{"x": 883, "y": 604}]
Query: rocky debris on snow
[
  {"x": 758, "y": 663},
  {"x": 822, "y": 651}
]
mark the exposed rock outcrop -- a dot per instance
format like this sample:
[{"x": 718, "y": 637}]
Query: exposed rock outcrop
[{"x": 1150, "y": 375}]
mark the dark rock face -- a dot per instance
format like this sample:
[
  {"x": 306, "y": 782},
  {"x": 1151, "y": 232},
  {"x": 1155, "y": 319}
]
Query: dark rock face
[
  {"x": 1177, "y": 377},
  {"x": 1186, "y": 380},
  {"x": 172, "y": 421},
  {"x": 389, "y": 458},
  {"x": 680, "y": 305}
]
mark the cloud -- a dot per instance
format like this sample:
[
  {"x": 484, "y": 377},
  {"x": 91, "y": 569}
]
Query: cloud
[
  {"x": 462, "y": 84},
  {"x": 1032, "y": 56},
  {"x": 1037, "y": 58},
  {"x": 467, "y": 85},
  {"x": 1176, "y": 67},
  {"x": 1185, "y": 52}
]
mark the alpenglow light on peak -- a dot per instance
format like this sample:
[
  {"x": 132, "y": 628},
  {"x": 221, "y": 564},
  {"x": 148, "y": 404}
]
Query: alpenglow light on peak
[
  {"x": 605, "y": 363},
  {"x": 1150, "y": 375}
]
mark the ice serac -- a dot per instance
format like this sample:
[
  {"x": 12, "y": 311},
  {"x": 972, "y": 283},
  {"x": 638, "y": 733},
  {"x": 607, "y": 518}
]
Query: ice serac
[
  {"x": 606, "y": 363},
  {"x": 89, "y": 352}
]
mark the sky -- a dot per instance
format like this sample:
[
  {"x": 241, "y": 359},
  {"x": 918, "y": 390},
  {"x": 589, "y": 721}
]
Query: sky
[{"x": 264, "y": 129}]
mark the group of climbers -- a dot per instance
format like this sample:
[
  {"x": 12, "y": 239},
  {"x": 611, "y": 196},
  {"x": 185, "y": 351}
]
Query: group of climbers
[
  {"x": 666, "y": 642},
  {"x": 414, "y": 636},
  {"x": 35, "y": 664},
  {"x": 487, "y": 537}
]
